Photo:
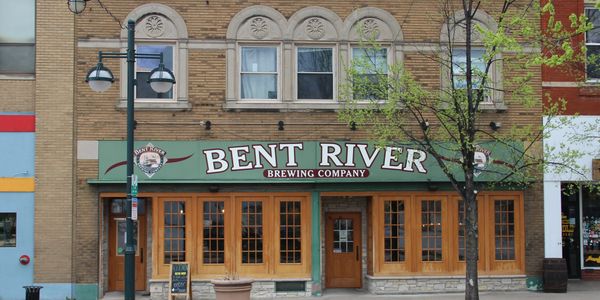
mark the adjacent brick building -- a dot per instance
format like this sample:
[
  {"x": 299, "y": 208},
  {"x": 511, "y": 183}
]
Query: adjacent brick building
[{"x": 575, "y": 236}]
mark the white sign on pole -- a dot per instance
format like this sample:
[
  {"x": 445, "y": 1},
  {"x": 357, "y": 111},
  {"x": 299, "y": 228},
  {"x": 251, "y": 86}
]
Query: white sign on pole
[{"x": 134, "y": 208}]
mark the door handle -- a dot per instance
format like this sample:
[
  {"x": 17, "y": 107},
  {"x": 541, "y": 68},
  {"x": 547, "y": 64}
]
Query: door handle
[
  {"x": 357, "y": 253},
  {"x": 142, "y": 255}
]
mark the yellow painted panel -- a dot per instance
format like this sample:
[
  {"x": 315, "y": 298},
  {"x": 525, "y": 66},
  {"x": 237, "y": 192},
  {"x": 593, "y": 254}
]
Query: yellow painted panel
[{"x": 17, "y": 184}]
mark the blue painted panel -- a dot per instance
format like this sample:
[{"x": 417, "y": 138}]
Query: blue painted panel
[
  {"x": 13, "y": 275},
  {"x": 17, "y": 154}
]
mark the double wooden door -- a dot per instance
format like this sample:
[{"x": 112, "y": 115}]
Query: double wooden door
[
  {"x": 343, "y": 267},
  {"x": 116, "y": 252}
]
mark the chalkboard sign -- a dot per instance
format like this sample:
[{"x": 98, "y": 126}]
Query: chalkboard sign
[{"x": 179, "y": 279}]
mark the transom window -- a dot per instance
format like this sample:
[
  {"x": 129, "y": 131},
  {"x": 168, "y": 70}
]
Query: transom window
[
  {"x": 592, "y": 43},
  {"x": 259, "y": 78},
  {"x": 315, "y": 73},
  {"x": 17, "y": 37},
  {"x": 371, "y": 66},
  {"x": 145, "y": 66}
]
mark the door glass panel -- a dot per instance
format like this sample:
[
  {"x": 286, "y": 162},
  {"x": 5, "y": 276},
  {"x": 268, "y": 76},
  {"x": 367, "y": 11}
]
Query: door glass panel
[
  {"x": 431, "y": 231},
  {"x": 290, "y": 239},
  {"x": 252, "y": 232},
  {"x": 394, "y": 230},
  {"x": 122, "y": 236},
  {"x": 174, "y": 237},
  {"x": 213, "y": 239},
  {"x": 343, "y": 237},
  {"x": 504, "y": 211}
]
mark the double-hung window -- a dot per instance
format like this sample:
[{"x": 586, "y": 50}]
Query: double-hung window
[
  {"x": 592, "y": 44},
  {"x": 315, "y": 73},
  {"x": 459, "y": 71},
  {"x": 145, "y": 66},
  {"x": 17, "y": 37},
  {"x": 259, "y": 76},
  {"x": 371, "y": 67}
]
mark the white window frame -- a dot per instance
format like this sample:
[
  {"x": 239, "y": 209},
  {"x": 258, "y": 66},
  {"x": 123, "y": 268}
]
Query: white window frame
[
  {"x": 389, "y": 59},
  {"x": 173, "y": 45},
  {"x": 278, "y": 72},
  {"x": 334, "y": 64},
  {"x": 491, "y": 78},
  {"x": 590, "y": 80}
]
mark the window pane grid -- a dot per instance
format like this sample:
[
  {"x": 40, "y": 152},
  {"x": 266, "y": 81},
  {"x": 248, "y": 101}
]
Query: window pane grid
[
  {"x": 290, "y": 232},
  {"x": 174, "y": 237},
  {"x": 431, "y": 232},
  {"x": 343, "y": 236},
  {"x": 252, "y": 232},
  {"x": 462, "y": 241},
  {"x": 213, "y": 240},
  {"x": 505, "y": 229},
  {"x": 393, "y": 223}
]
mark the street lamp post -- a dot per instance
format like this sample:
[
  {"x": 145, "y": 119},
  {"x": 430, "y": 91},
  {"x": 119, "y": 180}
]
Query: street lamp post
[{"x": 100, "y": 79}]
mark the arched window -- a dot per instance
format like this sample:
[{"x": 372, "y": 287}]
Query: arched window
[
  {"x": 453, "y": 39},
  {"x": 159, "y": 29}
]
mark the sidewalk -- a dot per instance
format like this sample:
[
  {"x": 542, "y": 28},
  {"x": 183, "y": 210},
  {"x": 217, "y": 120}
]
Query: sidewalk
[{"x": 577, "y": 290}]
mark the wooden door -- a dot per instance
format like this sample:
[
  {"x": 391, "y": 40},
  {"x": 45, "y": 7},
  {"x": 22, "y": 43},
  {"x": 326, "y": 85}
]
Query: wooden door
[
  {"x": 116, "y": 249},
  {"x": 343, "y": 268}
]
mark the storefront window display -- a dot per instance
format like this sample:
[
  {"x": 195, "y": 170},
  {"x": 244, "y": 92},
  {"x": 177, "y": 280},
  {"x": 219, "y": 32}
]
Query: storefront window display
[{"x": 591, "y": 227}]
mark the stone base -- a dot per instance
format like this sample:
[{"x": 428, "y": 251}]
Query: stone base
[
  {"x": 441, "y": 284},
  {"x": 159, "y": 290}
]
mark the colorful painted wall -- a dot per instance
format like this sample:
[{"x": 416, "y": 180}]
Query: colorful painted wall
[{"x": 17, "y": 146}]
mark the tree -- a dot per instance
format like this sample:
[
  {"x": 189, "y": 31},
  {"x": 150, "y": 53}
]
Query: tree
[{"x": 476, "y": 50}]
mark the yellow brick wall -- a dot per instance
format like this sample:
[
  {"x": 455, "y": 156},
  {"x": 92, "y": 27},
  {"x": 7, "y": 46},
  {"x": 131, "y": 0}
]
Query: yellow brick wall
[
  {"x": 17, "y": 95},
  {"x": 54, "y": 91},
  {"x": 97, "y": 118}
]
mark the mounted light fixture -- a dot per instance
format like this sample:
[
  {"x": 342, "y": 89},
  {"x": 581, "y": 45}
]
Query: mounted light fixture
[
  {"x": 77, "y": 6},
  {"x": 161, "y": 79},
  {"x": 99, "y": 78},
  {"x": 425, "y": 125},
  {"x": 280, "y": 125},
  {"x": 495, "y": 125}
]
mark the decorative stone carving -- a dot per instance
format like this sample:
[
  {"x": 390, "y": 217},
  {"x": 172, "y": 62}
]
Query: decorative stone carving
[
  {"x": 154, "y": 26},
  {"x": 315, "y": 29},
  {"x": 259, "y": 28},
  {"x": 370, "y": 28}
]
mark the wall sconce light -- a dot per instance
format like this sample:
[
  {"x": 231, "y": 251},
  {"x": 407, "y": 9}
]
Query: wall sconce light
[
  {"x": 495, "y": 125},
  {"x": 425, "y": 125},
  {"x": 207, "y": 125},
  {"x": 353, "y": 126},
  {"x": 280, "y": 125}
]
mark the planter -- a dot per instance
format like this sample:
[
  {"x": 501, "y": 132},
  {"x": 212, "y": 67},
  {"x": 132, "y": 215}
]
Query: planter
[{"x": 236, "y": 289}]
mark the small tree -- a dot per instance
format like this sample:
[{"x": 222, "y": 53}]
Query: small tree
[{"x": 397, "y": 108}]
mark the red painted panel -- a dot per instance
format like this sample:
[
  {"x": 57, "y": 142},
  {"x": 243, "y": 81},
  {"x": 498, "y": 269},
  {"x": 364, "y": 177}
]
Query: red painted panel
[{"x": 17, "y": 123}]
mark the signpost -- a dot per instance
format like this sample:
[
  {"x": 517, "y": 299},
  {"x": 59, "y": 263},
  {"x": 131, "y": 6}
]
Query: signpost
[{"x": 179, "y": 280}]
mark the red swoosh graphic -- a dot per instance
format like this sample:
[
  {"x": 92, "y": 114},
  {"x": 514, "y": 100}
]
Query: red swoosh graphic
[{"x": 169, "y": 160}]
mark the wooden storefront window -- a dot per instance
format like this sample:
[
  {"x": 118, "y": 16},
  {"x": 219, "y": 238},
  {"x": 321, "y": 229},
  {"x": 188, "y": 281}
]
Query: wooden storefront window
[
  {"x": 252, "y": 232},
  {"x": 394, "y": 231},
  {"x": 213, "y": 237},
  {"x": 431, "y": 230},
  {"x": 424, "y": 233},
  {"x": 290, "y": 230},
  {"x": 504, "y": 214},
  {"x": 174, "y": 233},
  {"x": 258, "y": 235}
]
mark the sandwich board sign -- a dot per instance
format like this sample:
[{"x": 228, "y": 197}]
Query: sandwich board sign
[{"x": 179, "y": 280}]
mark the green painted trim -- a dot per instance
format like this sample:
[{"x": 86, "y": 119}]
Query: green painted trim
[
  {"x": 85, "y": 291},
  {"x": 316, "y": 244}
]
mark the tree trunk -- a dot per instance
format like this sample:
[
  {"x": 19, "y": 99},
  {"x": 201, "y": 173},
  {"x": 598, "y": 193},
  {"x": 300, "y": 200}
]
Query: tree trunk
[{"x": 472, "y": 238}]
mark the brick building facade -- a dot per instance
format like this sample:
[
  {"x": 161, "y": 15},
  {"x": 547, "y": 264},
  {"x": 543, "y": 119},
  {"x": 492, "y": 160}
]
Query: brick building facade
[
  {"x": 575, "y": 236},
  {"x": 243, "y": 101}
]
